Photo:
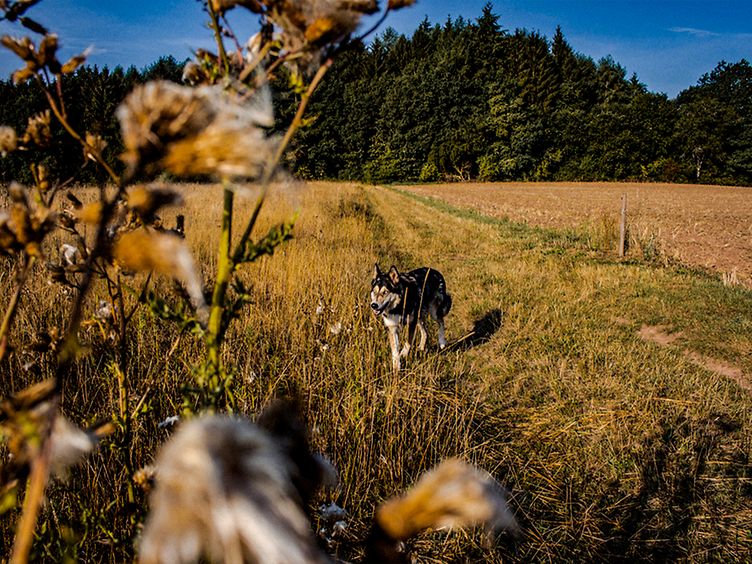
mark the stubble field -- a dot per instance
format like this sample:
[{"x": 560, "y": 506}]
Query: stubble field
[
  {"x": 704, "y": 226},
  {"x": 612, "y": 398}
]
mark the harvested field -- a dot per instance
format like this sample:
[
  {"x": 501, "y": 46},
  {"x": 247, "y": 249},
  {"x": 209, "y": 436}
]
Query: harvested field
[{"x": 703, "y": 226}]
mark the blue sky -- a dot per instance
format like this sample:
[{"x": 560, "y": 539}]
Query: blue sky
[{"x": 669, "y": 44}]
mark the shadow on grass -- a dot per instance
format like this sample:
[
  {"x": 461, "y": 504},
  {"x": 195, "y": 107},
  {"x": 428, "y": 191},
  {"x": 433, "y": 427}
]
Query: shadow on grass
[{"x": 483, "y": 329}]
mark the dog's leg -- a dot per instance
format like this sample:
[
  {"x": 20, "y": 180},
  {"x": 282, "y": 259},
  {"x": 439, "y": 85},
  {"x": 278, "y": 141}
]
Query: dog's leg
[
  {"x": 410, "y": 336},
  {"x": 442, "y": 339},
  {"x": 423, "y": 335},
  {"x": 394, "y": 346}
]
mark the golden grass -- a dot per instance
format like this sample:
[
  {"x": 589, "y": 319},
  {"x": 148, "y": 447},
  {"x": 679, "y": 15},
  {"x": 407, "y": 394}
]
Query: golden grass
[{"x": 611, "y": 445}]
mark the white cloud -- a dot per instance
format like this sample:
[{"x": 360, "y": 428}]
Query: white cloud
[{"x": 693, "y": 31}]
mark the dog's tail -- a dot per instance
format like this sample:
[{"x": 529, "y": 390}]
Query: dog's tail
[{"x": 445, "y": 306}]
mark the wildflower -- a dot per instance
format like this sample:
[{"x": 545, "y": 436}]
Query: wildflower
[
  {"x": 225, "y": 491},
  {"x": 8, "y": 140},
  {"x": 165, "y": 253},
  {"x": 190, "y": 131}
]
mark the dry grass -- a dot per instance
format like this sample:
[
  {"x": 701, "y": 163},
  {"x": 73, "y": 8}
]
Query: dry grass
[{"x": 612, "y": 446}]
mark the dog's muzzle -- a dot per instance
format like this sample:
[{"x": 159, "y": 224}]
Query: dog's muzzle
[{"x": 376, "y": 309}]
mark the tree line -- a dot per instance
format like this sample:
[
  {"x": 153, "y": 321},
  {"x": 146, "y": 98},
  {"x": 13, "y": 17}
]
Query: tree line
[{"x": 469, "y": 100}]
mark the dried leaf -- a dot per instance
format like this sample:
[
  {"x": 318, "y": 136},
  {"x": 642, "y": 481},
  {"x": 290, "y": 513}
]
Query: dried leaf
[
  {"x": 24, "y": 74},
  {"x": 74, "y": 62},
  {"x": 22, "y": 47},
  {"x": 34, "y": 26}
]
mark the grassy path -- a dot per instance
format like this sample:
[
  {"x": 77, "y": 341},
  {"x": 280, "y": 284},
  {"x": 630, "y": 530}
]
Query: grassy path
[{"x": 616, "y": 440}]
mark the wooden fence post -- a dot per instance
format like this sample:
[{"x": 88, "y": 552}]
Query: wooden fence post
[{"x": 623, "y": 226}]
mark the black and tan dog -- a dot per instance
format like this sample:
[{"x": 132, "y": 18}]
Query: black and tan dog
[{"x": 405, "y": 299}]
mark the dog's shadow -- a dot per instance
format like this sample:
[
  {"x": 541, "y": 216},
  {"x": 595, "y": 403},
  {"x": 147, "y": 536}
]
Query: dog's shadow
[{"x": 483, "y": 329}]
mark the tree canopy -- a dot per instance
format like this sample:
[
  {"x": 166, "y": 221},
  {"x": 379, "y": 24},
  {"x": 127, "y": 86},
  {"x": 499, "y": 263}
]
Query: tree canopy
[{"x": 463, "y": 100}]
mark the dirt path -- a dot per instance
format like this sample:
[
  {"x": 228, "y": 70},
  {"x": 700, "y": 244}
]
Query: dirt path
[{"x": 662, "y": 336}]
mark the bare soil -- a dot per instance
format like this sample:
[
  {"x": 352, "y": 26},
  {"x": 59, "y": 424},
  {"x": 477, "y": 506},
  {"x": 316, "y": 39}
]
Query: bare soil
[{"x": 704, "y": 226}]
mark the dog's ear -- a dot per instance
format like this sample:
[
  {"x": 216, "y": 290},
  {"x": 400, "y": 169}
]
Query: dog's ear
[
  {"x": 376, "y": 270},
  {"x": 394, "y": 275}
]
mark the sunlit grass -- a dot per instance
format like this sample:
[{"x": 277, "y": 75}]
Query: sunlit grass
[{"x": 611, "y": 445}]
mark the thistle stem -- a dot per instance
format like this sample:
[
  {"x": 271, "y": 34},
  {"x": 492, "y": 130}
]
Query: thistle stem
[
  {"x": 218, "y": 37},
  {"x": 224, "y": 274},
  {"x": 274, "y": 161},
  {"x": 73, "y": 133},
  {"x": 32, "y": 501}
]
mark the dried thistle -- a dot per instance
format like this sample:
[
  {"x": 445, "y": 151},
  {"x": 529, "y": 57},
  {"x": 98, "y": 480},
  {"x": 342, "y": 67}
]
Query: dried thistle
[
  {"x": 36, "y": 58},
  {"x": 94, "y": 146},
  {"x": 47, "y": 53},
  {"x": 30, "y": 422},
  {"x": 25, "y": 225},
  {"x": 194, "y": 74},
  {"x": 221, "y": 6},
  {"x": 38, "y": 129},
  {"x": 23, "y": 47},
  {"x": 224, "y": 491},
  {"x": 399, "y": 4},
  {"x": 307, "y": 27},
  {"x": 90, "y": 213},
  {"x": 164, "y": 253},
  {"x": 194, "y": 131},
  {"x": 146, "y": 202},
  {"x": 156, "y": 114},
  {"x": 8, "y": 140},
  {"x": 454, "y": 494}
]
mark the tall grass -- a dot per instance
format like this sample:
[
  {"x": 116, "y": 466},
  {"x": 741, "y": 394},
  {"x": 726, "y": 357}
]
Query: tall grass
[{"x": 611, "y": 446}]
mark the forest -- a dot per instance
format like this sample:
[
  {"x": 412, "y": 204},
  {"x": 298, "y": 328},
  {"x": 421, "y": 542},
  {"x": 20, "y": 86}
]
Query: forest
[{"x": 459, "y": 101}]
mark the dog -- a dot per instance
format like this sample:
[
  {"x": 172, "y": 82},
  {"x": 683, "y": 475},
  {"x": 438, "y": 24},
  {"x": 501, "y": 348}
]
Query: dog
[{"x": 405, "y": 299}]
